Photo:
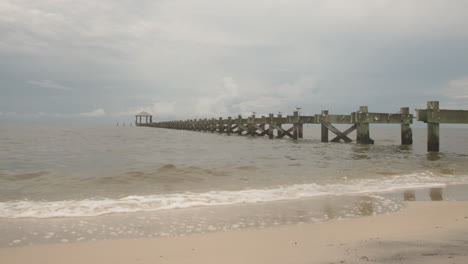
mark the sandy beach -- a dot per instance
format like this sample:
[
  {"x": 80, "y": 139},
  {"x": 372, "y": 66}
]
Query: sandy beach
[{"x": 423, "y": 232}]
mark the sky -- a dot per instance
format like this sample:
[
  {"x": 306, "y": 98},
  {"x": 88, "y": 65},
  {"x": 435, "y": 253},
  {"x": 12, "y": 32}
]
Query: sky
[{"x": 89, "y": 61}]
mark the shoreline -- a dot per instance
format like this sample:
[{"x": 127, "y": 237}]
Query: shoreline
[
  {"x": 212, "y": 219},
  {"x": 422, "y": 232}
]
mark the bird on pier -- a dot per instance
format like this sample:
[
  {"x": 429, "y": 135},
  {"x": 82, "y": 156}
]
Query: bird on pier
[{"x": 297, "y": 109}]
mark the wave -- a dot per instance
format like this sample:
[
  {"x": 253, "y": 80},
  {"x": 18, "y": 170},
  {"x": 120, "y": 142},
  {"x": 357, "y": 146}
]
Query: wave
[
  {"x": 23, "y": 176},
  {"x": 137, "y": 203}
]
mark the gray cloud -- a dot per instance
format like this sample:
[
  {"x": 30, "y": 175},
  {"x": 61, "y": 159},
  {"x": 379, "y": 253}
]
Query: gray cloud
[
  {"x": 185, "y": 59},
  {"x": 49, "y": 84}
]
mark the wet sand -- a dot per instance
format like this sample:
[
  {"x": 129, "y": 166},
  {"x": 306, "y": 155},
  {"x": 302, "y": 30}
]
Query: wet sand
[{"x": 423, "y": 232}]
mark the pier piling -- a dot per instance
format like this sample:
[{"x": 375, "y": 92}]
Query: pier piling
[
  {"x": 270, "y": 126},
  {"x": 229, "y": 126},
  {"x": 363, "y": 132},
  {"x": 220, "y": 126},
  {"x": 406, "y": 132},
  {"x": 324, "y": 120},
  {"x": 433, "y": 126},
  {"x": 295, "y": 125},
  {"x": 279, "y": 133}
]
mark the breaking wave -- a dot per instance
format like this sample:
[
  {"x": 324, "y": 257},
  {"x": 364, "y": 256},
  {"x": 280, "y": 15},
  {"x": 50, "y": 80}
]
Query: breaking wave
[{"x": 136, "y": 203}]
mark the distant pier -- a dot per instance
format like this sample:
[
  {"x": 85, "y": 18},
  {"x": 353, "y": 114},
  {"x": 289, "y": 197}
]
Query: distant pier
[{"x": 292, "y": 126}]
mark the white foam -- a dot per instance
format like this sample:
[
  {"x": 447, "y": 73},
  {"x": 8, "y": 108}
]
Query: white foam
[{"x": 135, "y": 203}]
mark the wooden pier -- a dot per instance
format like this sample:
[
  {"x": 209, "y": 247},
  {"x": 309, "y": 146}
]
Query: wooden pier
[
  {"x": 292, "y": 126},
  {"x": 434, "y": 116}
]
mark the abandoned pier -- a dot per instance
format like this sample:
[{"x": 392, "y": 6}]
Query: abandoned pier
[{"x": 292, "y": 126}]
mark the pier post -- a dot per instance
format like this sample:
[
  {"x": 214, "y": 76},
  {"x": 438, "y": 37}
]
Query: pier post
[
  {"x": 262, "y": 125},
  {"x": 270, "y": 126},
  {"x": 433, "y": 126},
  {"x": 363, "y": 133},
  {"x": 239, "y": 121},
  {"x": 406, "y": 132},
  {"x": 252, "y": 129},
  {"x": 220, "y": 126},
  {"x": 295, "y": 125},
  {"x": 324, "y": 128},
  {"x": 229, "y": 126},
  {"x": 300, "y": 132},
  {"x": 136, "y": 120},
  {"x": 280, "y": 125}
]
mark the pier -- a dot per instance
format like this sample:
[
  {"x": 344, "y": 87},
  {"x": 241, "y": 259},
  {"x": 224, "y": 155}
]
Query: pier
[{"x": 291, "y": 126}]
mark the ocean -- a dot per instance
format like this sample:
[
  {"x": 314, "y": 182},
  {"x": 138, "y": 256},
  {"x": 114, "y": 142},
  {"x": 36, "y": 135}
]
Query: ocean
[{"x": 79, "y": 183}]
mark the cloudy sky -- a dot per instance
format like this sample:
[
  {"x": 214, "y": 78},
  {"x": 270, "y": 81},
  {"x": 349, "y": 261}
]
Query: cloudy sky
[{"x": 94, "y": 61}]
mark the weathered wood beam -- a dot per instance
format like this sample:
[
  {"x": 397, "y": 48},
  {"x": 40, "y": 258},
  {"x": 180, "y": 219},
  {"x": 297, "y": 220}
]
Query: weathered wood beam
[
  {"x": 346, "y": 133},
  {"x": 363, "y": 133},
  {"x": 324, "y": 129},
  {"x": 338, "y": 133},
  {"x": 406, "y": 132},
  {"x": 262, "y": 129},
  {"x": 334, "y": 119},
  {"x": 284, "y": 132},
  {"x": 270, "y": 127},
  {"x": 295, "y": 121},
  {"x": 251, "y": 122},
  {"x": 220, "y": 125},
  {"x": 442, "y": 116},
  {"x": 242, "y": 128},
  {"x": 277, "y": 124},
  {"x": 381, "y": 118},
  {"x": 229, "y": 126},
  {"x": 432, "y": 126}
]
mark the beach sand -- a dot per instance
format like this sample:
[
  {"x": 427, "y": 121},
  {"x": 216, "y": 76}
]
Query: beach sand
[{"x": 423, "y": 232}]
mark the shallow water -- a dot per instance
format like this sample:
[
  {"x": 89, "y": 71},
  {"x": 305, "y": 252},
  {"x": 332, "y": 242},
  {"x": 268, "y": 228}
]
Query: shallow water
[
  {"x": 73, "y": 171},
  {"x": 202, "y": 220}
]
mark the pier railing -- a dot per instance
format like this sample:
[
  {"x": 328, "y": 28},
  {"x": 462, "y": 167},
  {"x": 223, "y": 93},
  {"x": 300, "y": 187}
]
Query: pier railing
[{"x": 292, "y": 126}]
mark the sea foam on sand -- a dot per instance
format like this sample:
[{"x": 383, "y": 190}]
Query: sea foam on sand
[{"x": 424, "y": 232}]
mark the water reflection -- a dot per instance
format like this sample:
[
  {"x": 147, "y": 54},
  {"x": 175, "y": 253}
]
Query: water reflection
[
  {"x": 433, "y": 156},
  {"x": 409, "y": 195},
  {"x": 328, "y": 211},
  {"x": 360, "y": 152},
  {"x": 436, "y": 194},
  {"x": 405, "y": 147}
]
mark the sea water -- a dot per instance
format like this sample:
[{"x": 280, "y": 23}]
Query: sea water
[{"x": 57, "y": 176}]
